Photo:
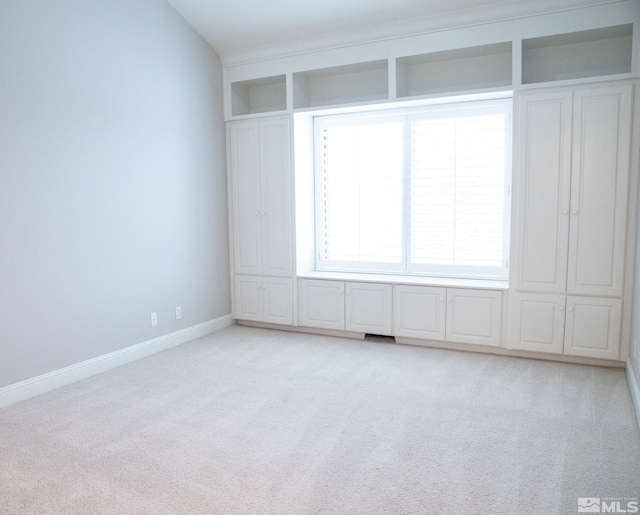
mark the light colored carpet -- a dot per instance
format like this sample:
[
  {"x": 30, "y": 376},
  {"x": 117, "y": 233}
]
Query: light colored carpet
[{"x": 256, "y": 421}]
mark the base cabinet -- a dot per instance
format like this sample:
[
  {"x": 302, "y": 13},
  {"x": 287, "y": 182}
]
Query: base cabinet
[
  {"x": 451, "y": 314},
  {"x": 368, "y": 308},
  {"x": 357, "y": 307},
  {"x": 321, "y": 304},
  {"x": 420, "y": 312},
  {"x": 558, "y": 324},
  {"x": 593, "y": 327},
  {"x": 264, "y": 299},
  {"x": 474, "y": 316}
]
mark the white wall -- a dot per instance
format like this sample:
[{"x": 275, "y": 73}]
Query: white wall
[{"x": 112, "y": 180}]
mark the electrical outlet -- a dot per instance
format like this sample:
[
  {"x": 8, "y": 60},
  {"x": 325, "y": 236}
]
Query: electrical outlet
[
  {"x": 178, "y": 312},
  {"x": 154, "y": 319}
]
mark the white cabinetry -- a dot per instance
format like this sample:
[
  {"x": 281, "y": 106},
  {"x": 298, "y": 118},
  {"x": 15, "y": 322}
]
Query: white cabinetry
[
  {"x": 357, "y": 307},
  {"x": 321, "y": 304},
  {"x": 573, "y": 174},
  {"x": 261, "y": 225},
  {"x": 474, "y": 316},
  {"x": 423, "y": 312},
  {"x": 264, "y": 299},
  {"x": 420, "y": 311},
  {"x": 593, "y": 327},
  {"x": 368, "y": 308},
  {"x": 451, "y": 314},
  {"x": 580, "y": 326}
]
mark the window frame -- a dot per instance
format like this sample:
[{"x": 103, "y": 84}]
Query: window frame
[{"x": 405, "y": 267}]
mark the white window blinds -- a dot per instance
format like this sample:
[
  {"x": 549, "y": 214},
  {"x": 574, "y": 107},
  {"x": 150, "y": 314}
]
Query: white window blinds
[
  {"x": 360, "y": 193},
  {"x": 422, "y": 191}
]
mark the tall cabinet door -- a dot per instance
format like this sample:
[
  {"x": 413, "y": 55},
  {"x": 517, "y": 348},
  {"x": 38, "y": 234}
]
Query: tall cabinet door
[
  {"x": 244, "y": 161},
  {"x": 601, "y": 140},
  {"x": 275, "y": 211},
  {"x": 543, "y": 191},
  {"x": 260, "y": 163}
]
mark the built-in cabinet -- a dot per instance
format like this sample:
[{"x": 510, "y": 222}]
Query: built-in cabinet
[
  {"x": 573, "y": 177},
  {"x": 346, "y": 306},
  {"x": 573, "y": 209},
  {"x": 423, "y": 312},
  {"x": 262, "y": 231},
  {"x": 448, "y": 314},
  {"x": 404, "y": 70}
]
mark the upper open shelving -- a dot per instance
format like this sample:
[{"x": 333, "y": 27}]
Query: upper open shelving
[
  {"x": 577, "y": 55},
  {"x": 361, "y": 82},
  {"x": 480, "y": 67},
  {"x": 596, "y": 54},
  {"x": 261, "y": 95}
]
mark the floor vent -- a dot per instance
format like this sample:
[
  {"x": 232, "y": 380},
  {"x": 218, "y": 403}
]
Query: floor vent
[{"x": 380, "y": 338}]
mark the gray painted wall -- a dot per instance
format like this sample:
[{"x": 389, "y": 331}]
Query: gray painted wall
[{"x": 112, "y": 180}]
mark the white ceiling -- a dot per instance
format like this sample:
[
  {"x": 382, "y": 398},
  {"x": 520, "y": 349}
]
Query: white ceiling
[{"x": 231, "y": 26}]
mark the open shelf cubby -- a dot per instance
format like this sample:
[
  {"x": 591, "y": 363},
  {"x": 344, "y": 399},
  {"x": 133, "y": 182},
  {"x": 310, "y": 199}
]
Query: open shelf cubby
[
  {"x": 485, "y": 66},
  {"x": 361, "y": 82},
  {"x": 576, "y": 55},
  {"x": 259, "y": 95}
]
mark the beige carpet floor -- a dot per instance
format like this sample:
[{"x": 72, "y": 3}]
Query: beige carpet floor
[{"x": 252, "y": 421}]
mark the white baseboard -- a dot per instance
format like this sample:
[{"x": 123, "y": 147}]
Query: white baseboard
[
  {"x": 50, "y": 381},
  {"x": 635, "y": 391}
]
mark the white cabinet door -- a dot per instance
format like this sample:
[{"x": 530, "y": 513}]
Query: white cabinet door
[
  {"x": 276, "y": 202},
  {"x": 537, "y": 322},
  {"x": 544, "y": 146},
  {"x": 599, "y": 181},
  {"x": 474, "y": 316},
  {"x": 248, "y": 298},
  {"x": 277, "y": 297},
  {"x": 244, "y": 161},
  {"x": 264, "y": 299},
  {"x": 419, "y": 312},
  {"x": 593, "y": 327},
  {"x": 261, "y": 189},
  {"x": 369, "y": 308},
  {"x": 321, "y": 304}
]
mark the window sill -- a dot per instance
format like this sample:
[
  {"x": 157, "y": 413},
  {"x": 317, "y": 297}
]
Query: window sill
[{"x": 444, "y": 282}]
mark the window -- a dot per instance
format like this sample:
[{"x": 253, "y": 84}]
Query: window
[{"x": 420, "y": 191}]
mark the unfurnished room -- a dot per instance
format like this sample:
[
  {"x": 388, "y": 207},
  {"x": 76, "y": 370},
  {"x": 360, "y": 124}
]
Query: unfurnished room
[{"x": 363, "y": 257}]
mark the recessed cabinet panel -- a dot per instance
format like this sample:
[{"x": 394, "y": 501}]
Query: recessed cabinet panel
[
  {"x": 593, "y": 327},
  {"x": 278, "y": 300},
  {"x": 538, "y": 322},
  {"x": 245, "y": 180},
  {"x": 543, "y": 192},
  {"x": 275, "y": 159},
  {"x": 321, "y": 304},
  {"x": 602, "y": 124},
  {"x": 369, "y": 308},
  {"x": 474, "y": 316},
  {"x": 420, "y": 312},
  {"x": 248, "y": 298}
]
